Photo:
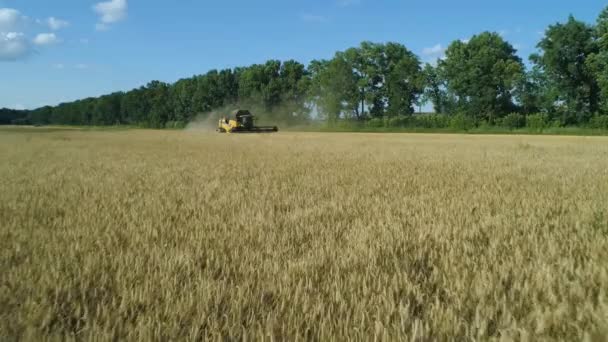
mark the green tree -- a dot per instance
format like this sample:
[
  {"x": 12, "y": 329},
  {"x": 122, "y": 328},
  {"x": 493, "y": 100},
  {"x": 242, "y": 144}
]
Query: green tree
[
  {"x": 41, "y": 116},
  {"x": 260, "y": 84},
  {"x": 14, "y": 117},
  {"x": 160, "y": 112},
  {"x": 432, "y": 88},
  {"x": 435, "y": 91},
  {"x": 295, "y": 83},
  {"x": 535, "y": 93},
  {"x": 379, "y": 80},
  {"x": 135, "y": 107},
  {"x": 565, "y": 50},
  {"x": 598, "y": 62},
  {"x": 361, "y": 72},
  {"x": 202, "y": 100},
  {"x": 366, "y": 63},
  {"x": 182, "y": 99},
  {"x": 482, "y": 74},
  {"x": 402, "y": 77},
  {"x": 106, "y": 110},
  {"x": 333, "y": 85}
]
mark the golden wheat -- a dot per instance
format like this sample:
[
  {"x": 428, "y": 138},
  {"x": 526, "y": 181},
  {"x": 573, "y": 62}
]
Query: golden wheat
[{"x": 166, "y": 235}]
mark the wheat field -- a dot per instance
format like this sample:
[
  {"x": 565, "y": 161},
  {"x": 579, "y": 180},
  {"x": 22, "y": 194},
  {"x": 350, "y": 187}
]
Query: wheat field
[{"x": 185, "y": 235}]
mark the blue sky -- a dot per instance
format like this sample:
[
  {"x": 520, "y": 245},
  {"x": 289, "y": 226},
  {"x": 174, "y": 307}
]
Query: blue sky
[{"x": 62, "y": 50}]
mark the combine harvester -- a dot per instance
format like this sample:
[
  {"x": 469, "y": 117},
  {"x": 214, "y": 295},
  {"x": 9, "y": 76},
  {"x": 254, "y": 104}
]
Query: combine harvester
[{"x": 242, "y": 121}]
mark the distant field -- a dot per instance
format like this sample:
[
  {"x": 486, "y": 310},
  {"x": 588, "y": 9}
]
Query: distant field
[{"x": 171, "y": 235}]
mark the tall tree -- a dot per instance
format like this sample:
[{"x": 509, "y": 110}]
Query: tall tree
[
  {"x": 334, "y": 86},
  {"x": 565, "y": 50},
  {"x": 360, "y": 73},
  {"x": 107, "y": 110},
  {"x": 382, "y": 79},
  {"x": 295, "y": 82},
  {"x": 42, "y": 115},
  {"x": 366, "y": 61},
  {"x": 433, "y": 88},
  {"x": 535, "y": 93},
  {"x": 482, "y": 73},
  {"x": 598, "y": 62},
  {"x": 159, "y": 110},
  {"x": 402, "y": 77},
  {"x": 182, "y": 94},
  {"x": 135, "y": 106}
]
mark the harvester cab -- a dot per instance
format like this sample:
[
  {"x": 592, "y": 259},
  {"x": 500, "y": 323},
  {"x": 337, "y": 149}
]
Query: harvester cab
[{"x": 242, "y": 121}]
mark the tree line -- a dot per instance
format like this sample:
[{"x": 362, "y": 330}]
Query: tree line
[{"x": 479, "y": 81}]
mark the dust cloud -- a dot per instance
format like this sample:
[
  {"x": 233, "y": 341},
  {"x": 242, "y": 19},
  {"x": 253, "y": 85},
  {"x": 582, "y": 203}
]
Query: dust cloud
[{"x": 206, "y": 122}]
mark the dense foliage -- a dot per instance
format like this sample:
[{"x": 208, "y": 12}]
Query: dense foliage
[
  {"x": 12, "y": 116},
  {"x": 481, "y": 74},
  {"x": 565, "y": 52},
  {"x": 481, "y": 81},
  {"x": 159, "y": 104}
]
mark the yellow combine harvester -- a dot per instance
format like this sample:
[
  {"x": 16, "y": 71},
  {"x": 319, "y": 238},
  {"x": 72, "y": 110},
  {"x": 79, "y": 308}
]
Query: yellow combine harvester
[{"x": 242, "y": 121}]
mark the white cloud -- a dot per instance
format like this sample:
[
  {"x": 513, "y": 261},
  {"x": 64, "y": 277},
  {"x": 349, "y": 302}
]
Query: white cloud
[
  {"x": 110, "y": 12},
  {"x": 434, "y": 53},
  {"x": 13, "y": 46},
  {"x": 58, "y": 66},
  {"x": 56, "y": 24},
  {"x": 84, "y": 41},
  {"x": 13, "y": 43},
  {"x": 19, "y": 106},
  {"x": 11, "y": 20},
  {"x": 81, "y": 66},
  {"x": 434, "y": 50},
  {"x": 312, "y": 18},
  {"x": 46, "y": 39}
]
